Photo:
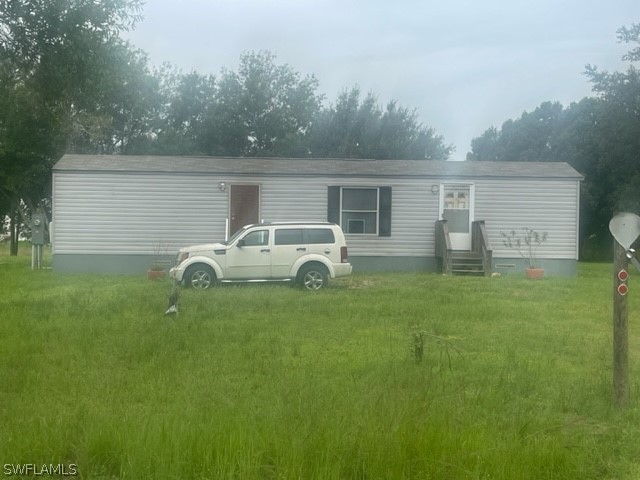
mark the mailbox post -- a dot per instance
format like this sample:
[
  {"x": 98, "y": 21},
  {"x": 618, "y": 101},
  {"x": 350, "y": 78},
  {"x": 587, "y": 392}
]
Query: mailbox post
[
  {"x": 625, "y": 228},
  {"x": 620, "y": 326}
]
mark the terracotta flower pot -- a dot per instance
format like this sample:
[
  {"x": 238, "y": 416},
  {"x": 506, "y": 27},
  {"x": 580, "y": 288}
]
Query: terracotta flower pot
[
  {"x": 155, "y": 274},
  {"x": 535, "y": 273}
]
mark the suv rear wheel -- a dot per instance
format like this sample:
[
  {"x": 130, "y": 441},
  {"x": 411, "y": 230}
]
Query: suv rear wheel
[
  {"x": 200, "y": 276},
  {"x": 313, "y": 277}
]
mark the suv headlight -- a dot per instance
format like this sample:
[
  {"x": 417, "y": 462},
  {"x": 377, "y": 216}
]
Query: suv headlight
[{"x": 182, "y": 256}]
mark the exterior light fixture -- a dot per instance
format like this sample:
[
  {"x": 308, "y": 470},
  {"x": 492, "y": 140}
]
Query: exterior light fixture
[
  {"x": 435, "y": 188},
  {"x": 222, "y": 186}
]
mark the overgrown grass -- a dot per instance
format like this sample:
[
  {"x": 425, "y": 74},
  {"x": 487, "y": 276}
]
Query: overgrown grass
[{"x": 269, "y": 382}]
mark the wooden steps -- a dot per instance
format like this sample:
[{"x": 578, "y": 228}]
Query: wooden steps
[{"x": 467, "y": 263}]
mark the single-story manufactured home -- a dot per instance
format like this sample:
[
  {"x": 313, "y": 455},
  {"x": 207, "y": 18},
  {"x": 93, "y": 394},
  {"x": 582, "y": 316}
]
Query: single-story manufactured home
[{"x": 120, "y": 213}]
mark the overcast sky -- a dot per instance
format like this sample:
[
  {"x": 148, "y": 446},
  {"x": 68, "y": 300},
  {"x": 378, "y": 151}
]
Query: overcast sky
[{"x": 465, "y": 65}]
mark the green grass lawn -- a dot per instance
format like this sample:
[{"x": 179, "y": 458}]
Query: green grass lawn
[{"x": 271, "y": 382}]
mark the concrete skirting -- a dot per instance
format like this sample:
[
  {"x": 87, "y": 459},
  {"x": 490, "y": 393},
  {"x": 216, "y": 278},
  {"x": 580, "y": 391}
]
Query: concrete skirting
[{"x": 138, "y": 264}]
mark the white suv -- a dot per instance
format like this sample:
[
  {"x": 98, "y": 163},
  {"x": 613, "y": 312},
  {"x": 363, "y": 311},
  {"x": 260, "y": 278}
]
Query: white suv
[{"x": 306, "y": 253}]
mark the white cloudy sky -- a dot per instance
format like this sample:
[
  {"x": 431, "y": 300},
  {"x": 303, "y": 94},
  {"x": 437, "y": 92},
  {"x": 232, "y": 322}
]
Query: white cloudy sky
[{"x": 465, "y": 65}]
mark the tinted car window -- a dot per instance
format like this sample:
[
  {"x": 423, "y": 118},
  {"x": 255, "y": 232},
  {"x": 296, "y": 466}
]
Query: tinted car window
[
  {"x": 288, "y": 236},
  {"x": 320, "y": 235},
  {"x": 259, "y": 238}
]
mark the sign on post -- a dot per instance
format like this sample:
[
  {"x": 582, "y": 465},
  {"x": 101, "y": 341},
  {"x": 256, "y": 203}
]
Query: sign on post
[{"x": 625, "y": 228}]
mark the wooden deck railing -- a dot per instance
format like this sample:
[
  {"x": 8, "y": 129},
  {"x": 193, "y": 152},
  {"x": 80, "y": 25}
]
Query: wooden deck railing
[
  {"x": 443, "y": 246},
  {"x": 480, "y": 245}
]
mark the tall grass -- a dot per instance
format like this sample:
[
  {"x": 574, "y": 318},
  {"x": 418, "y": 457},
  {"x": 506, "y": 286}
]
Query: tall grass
[{"x": 266, "y": 381}]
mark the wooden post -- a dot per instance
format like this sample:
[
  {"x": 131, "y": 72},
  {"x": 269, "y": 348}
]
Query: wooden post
[{"x": 620, "y": 330}]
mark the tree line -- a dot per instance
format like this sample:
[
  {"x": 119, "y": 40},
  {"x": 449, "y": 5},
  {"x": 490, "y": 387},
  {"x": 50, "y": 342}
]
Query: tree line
[
  {"x": 261, "y": 109},
  {"x": 69, "y": 83}
]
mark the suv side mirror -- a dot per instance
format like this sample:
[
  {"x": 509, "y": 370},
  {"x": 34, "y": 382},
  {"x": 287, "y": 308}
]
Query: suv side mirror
[{"x": 241, "y": 243}]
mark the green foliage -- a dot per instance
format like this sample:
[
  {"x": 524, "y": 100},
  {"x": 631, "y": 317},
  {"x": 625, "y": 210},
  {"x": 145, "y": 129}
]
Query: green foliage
[
  {"x": 260, "y": 108},
  {"x": 271, "y": 382},
  {"x": 267, "y": 109},
  {"x": 530, "y": 138},
  {"x": 188, "y": 101},
  {"x": 356, "y": 128},
  {"x": 630, "y": 35},
  {"x": 120, "y": 117}
]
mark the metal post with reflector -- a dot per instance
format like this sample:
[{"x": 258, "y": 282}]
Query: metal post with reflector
[{"x": 625, "y": 228}]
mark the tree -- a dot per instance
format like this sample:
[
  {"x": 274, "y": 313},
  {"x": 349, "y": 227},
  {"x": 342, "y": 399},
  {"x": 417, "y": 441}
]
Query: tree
[
  {"x": 188, "y": 101},
  {"x": 52, "y": 55},
  {"x": 121, "y": 116},
  {"x": 529, "y": 138},
  {"x": 402, "y": 136},
  {"x": 356, "y": 128},
  {"x": 348, "y": 129},
  {"x": 263, "y": 109}
]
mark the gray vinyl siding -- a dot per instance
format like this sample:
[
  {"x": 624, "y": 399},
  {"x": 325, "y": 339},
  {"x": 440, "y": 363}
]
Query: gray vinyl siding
[
  {"x": 133, "y": 213},
  {"x": 543, "y": 205},
  {"x": 105, "y": 213},
  {"x": 98, "y": 212}
]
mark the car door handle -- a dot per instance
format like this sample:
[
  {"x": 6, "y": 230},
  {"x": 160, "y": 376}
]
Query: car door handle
[
  {"x": 265, "y": 250},
  {"x": 301, "y": 249}
]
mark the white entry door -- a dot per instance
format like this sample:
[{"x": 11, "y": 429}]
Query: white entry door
[{"x": 456, "y": 207}]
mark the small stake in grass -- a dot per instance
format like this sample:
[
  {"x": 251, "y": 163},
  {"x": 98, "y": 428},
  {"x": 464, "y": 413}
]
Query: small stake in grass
[
  {"x": 418, "y": 346},
  {"x": 444, "y": 343}
]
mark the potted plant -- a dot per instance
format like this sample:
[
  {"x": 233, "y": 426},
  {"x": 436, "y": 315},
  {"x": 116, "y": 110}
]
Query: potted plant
[
  {"x": 156, "y": 271},
  {"x": 157, "y": 268},
  {"x": 526, "y": 244}
]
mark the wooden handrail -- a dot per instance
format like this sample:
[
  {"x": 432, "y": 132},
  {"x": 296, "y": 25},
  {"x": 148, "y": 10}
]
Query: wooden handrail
[
  {"x": 443, "y": 246},
  {"x": 480, "y": 244}
]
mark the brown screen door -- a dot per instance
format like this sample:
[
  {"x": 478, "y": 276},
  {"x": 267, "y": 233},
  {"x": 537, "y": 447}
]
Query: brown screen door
[{"x": 244, "y": 206}]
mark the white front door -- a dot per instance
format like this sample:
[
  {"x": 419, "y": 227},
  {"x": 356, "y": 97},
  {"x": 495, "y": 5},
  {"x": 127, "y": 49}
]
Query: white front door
[{"x": 456, "y": 207}]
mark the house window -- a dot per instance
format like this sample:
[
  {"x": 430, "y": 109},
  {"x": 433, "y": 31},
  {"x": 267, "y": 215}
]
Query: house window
[{"x": 360, "y": 210}]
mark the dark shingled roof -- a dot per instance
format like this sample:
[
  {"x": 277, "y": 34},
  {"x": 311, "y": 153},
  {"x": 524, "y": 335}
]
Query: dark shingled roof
[{"x": 313, "y": 166}]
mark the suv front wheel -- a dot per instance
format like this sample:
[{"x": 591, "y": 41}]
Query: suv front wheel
[
  {"x": 313, "y": 277},
  {"x": 200, "y": 276}
]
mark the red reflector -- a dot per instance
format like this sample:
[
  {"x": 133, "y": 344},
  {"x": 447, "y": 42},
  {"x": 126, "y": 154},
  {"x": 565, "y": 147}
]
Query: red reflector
[{"x": 344, "y": 258}]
